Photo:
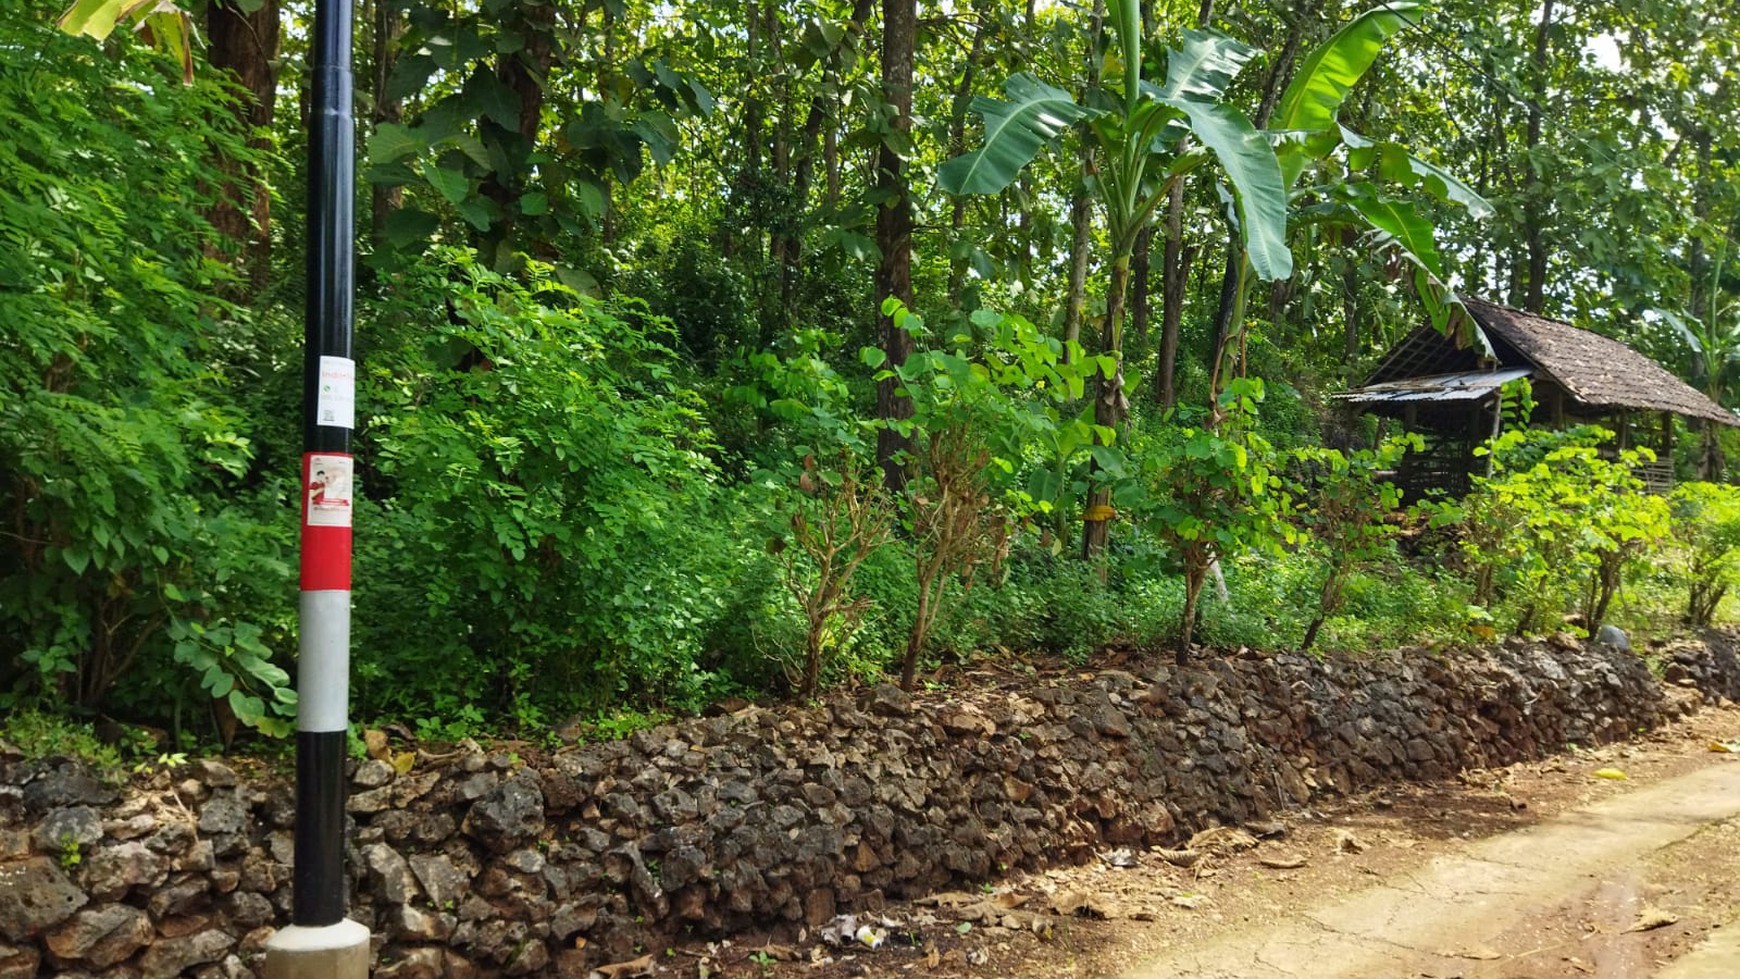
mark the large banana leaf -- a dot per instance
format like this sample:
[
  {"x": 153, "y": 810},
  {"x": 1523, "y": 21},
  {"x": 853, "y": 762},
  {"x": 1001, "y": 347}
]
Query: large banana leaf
[
  {"x": 1034, "y": 114},
  {"x": 1251, "y": 168},
  {"x": 1205, "y": 66},
  {"x": 1326, "y": 75},
  {"x": 1399, "y": 220},
  {"x": 1396, "y": 164}
]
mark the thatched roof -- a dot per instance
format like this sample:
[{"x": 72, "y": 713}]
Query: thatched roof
[{"x": 1598, "y": 373}]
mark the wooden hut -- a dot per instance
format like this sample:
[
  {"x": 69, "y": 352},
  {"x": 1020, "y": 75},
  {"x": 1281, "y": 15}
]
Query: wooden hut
[{"x": 1449, "y": 392}]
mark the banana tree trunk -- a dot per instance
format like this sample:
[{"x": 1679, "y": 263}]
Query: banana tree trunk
[{"x": 1111, "y": 408}]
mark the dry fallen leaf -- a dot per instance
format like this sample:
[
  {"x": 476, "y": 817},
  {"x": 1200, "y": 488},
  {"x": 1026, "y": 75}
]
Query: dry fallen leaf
[
  {"x": 1080, "y": 904},
  {"x": 1180, "y": 858},
  {"x": 403, "y": 761},
  {"x": 376, "y": 742},
  {"x": 1479, "y": 952},
  {"x": 642, "y": 966},
  {"x": 1650, "y": 919},
  {"x": 1222, "y": 839},
  {"x": 1282, "y": 862}
]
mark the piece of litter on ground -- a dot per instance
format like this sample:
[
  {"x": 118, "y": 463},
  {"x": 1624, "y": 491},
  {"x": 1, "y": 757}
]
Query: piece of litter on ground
[
  {"x": 1650, "y": 919},
  {"x": 1289, "y": 861},
  {"x": 1728, "y": 747},
  {"x": 1610, "y": 773},
  {"x": 1477, "y": 952},
  {"x": 1121, "y": 858}
]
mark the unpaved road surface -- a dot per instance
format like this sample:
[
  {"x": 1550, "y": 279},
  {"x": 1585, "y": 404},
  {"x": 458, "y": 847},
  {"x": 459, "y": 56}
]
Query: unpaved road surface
[{"x": 1542, "y": 870}]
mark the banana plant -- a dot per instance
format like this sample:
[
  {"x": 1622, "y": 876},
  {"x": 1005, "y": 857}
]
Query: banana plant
[
  {"x": 1713, "y": 342},
  {"x": 1306, "y": 130},
  {"x": 1143, "y": 142}
]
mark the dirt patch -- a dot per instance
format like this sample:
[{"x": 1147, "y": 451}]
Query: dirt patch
[{"x": 1124, "y": 907}]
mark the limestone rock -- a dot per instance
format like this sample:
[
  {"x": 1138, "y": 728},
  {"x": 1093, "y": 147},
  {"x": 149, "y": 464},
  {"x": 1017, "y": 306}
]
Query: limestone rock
[
  {"x": 512, "y": 813},
  {"x": 101, "y": 937},
  {"x": 34, "y": 897},
  {"x": 168, "y": 958},
  {"x": 110, "y": 872}
]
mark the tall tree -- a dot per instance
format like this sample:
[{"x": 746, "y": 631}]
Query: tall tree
[
  {"x": 894, "y": 224},
  {"x": 243, "y": 40}
]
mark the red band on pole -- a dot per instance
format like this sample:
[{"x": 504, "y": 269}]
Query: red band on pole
[{"x": 328, "y": 496}]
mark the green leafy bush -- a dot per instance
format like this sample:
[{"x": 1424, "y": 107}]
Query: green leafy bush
[
  {"x": 1556, "y": 523},
  {"x": 1705, "y": 519},
  {"x": 1215, "y": 493},
  {"x": 553, "y": 498},
  {"x": 141, "y": 564}
]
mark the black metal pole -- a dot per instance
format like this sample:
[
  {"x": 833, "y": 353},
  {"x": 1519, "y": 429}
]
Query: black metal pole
[{"x": 329, "y": 375}]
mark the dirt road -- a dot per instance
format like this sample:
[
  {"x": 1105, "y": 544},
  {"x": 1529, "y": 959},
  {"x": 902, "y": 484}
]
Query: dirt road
[
  {"x": 1545, "y": 870},
  {"x": 1575, "y": 895}
]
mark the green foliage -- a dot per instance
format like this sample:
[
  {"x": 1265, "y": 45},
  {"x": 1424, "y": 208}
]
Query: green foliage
[
  {"x": 1705, "y": 520},
  {"x": 39, "y": 734},
  {"x": 1555, "y": 522},
  {"x": 975, "y": 408},
  {"x": 1349, "y": 503},
  {"x": 551, "y": 491},
  {"x": 1216, "y": 493},
  {"x": 123, "y": 460}
]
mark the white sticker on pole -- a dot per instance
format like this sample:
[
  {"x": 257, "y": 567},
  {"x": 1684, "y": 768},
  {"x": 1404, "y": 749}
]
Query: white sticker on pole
[
  {"x": 330, "y": 491},
  {"x": 335, "y": 401}
]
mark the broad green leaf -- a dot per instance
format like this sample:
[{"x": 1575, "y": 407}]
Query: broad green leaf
[
  {"x": 534, "y": 204},
  {"x": 591, "y": 198},
  {"x": 873, "y": 357},
  {"x": 660, "y": 135},
  {"x": 1205, "y": 66},
  {"x": 94, "y": 18},
  {"x": 1396, "y": 164},
  {"x": 409, "y": 226},
  {"x": 1255, "y": 175},
  {"x": 391, "y": 143},
  {"x": 450, "y": 183},
  {"x": 1400, "y": 221},
  {"x": 1324, "y": 78},
  {"x": 1034, "y": 114}
]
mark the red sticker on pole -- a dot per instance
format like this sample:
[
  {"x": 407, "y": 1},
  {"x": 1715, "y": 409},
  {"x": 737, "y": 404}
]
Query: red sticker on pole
[{"x": 328, "y": 499}]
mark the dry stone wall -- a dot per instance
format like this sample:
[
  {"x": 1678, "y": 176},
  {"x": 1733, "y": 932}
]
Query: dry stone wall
[{"x": 479, "y": 865}]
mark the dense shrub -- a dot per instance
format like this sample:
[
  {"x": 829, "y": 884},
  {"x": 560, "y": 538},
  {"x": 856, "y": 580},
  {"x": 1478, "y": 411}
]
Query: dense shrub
[
  {"x": 1705, "y": 518},
  {"x": 554, "y": 499},
  {"x": 140, "y": 565}
]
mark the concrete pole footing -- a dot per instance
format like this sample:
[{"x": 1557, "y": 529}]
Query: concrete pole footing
[{"x": 338, "y": 951}]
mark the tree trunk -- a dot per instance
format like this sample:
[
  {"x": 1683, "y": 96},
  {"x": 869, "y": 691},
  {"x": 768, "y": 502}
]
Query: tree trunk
[
  {"x": 894, "y": 229},
  {"x": 1111, "y": 408},
  {"x": 1174, "y": 276},
  {"x": 1080, "y": 205},
  {"x": 1139, "y": 267},
  {"x": 1194, "y": 574},
  {"x": 388, "y": 24},
  {"x": 1534, "y": 208},
  {"x": 246, "y": 44},
  {"x": 957, "y": 146},
  {"x": 1081, "y": 220},
  {"x": 523, "y": 72},
  {"x": 1232, "y": 284},
  {"x": 1349, "y": 297}
]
